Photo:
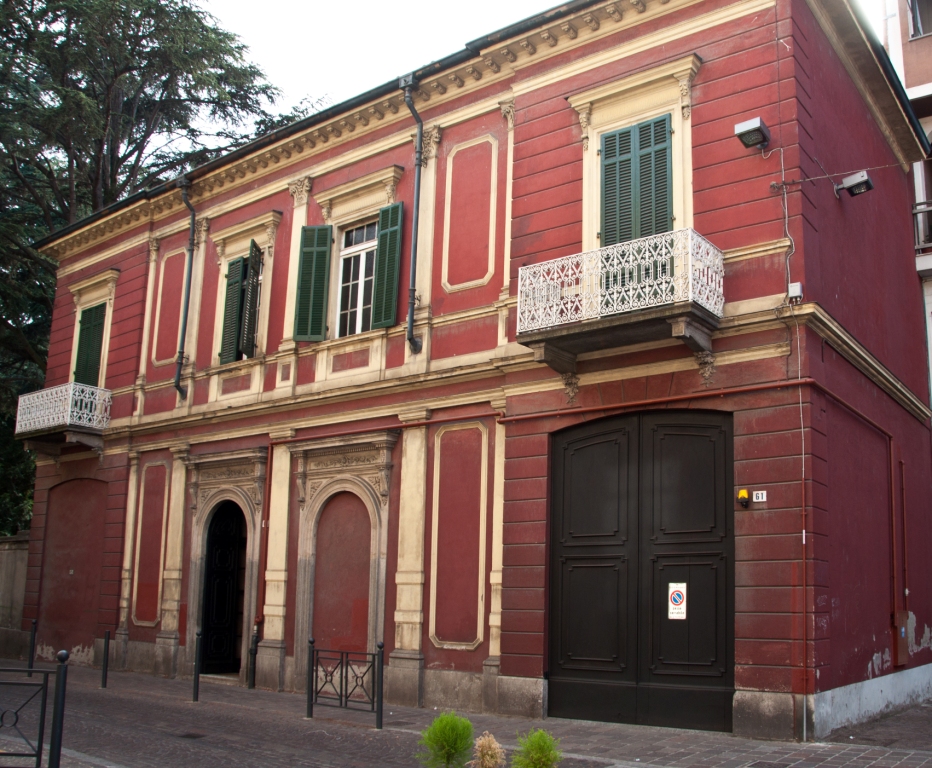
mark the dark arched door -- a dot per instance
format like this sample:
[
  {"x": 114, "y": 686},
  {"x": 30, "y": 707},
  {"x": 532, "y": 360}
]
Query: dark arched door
[
  {"x": 224, "y": 590},
  {"x": 642, "y": 571}
]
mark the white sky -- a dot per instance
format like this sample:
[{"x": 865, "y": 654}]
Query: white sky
[{"x": 341, "y": 49}]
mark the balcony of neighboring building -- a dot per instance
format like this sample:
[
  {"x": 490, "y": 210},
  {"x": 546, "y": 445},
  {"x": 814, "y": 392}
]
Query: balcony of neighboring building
[
  {"x": 70, "y": 413},
  {"x": 645, "y": 289}
]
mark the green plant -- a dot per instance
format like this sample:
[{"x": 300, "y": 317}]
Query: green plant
[
  {"x": 487, "y": 752},
  {"x": 446, "y": 742},
  {"x": 537, "y": 749}
]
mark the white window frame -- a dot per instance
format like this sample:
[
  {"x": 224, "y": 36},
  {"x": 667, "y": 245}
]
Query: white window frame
[
  {"x": 345, "y": 253},
  {"x": 88, "y": 293},
  {"x": 627, "y": 102}
]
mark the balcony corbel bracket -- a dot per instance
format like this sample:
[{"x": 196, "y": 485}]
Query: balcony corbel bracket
[
  {"x": 694, "y": 335},
  {"x": 560, "y": 360},
  {"x": 94, "y": 442}
]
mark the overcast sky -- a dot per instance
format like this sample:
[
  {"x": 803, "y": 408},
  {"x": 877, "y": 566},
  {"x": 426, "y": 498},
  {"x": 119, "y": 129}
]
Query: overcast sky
[{"x": 341, "y": 49}]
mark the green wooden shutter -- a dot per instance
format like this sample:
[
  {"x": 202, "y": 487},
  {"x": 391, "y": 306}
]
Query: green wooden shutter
[
  {"x": 310, "y": 317},
  {"x": 229, "y": 347},
  {"x": 617, "y": 187},
  {"x": 655, "y": 177},
  {"x": 637, "y": 182},
  {"x": 247, "y": 335},
  {"x": 90, "y": 345},
  {"x": 387, "y": 266}
]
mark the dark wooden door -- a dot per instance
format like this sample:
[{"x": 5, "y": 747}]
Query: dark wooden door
[
  {"x": 641, "y": 509},
  {"x": 223, "y": 595}
]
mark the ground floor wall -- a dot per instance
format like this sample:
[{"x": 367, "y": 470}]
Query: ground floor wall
[{"x": 427, "y": 529}]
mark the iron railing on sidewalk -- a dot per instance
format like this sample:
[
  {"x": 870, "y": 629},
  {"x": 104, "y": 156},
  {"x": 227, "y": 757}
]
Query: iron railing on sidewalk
[
  {"x": 638, "y": 274},
  {"x": 23, "y": 698},
  {"x": 345, "y": 679},
  {"x": 67, "y": 405}
]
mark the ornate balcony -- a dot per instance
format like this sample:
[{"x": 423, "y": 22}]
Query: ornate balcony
[
  {"x": 640, "y": 290},
  {"x": 70, "y": 413}
]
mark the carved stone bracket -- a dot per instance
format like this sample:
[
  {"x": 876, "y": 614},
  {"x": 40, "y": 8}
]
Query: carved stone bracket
[
  {"x": 153, "y": 249},
  {"x": 432, "y": 134},
  {"x": 585, "y": 117},
  {"x": 367, "y": 458},
  {"x": 685, "y": 80},
  {"x": 201, "y": 227},
  {"x": 508, "y": 112},
  {"x": 211, "y": 474}
]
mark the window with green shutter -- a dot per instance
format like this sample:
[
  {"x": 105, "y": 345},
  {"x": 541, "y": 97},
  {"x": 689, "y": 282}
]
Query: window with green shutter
[
  {"x": 241, "y": 307},
  {"x": 310, "y": 318},
  {"x": 637, "y": 182},
  {"x": 387, "y": 266},
  {"x": 90, "y": 345}
]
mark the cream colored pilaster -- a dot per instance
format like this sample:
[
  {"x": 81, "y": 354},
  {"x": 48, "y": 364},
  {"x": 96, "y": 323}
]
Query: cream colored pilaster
[
  {"x": 425, "y": 234},
  {"x": 299, "y": 189},
  {"x": 412, "y": 514},
  {"x": 276, "y": 571},
  {"x": 498, "y": 534},
  {"x": 129, "y": 539},
  {"x": 197, "y": 287},
  {"x": 508, "y": 112},
  {"x": 167, "y": 639},
  {"x": 268, "y": 265},
  {"x": 146, "y": 328}
]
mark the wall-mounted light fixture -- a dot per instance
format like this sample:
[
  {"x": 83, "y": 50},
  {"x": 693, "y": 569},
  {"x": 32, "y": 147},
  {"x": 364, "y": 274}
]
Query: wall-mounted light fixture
[
  {"x": 753, "y": 133},
  {"x": 855, "y": 184}
]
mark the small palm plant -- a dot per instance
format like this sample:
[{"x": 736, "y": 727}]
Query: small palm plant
[
  {"x": 446, "y": 742},
  {"x": 537, "y": 749},
  {"x": 487, "y": 752}
]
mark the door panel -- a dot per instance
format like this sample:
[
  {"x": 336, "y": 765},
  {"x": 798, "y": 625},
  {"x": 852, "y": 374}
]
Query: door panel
[{"x": 642, "y": 503}]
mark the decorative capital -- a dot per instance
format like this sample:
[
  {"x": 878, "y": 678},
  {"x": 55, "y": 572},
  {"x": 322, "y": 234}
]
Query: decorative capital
[
  {"x": 685, "y": 82},
  {"x": 201, "y": 227},
  {"x": 508, "y": 112},
  {"x": 153, "y": 250},
  {"x": 432, "y": 134},
  {"x": 221, "y": 247},
  {"x": 271, "y": 230},
  {"x": 300, "y": 189},
  {"x": 326, "y": 209},
  {"x": 391, "y": 188}
]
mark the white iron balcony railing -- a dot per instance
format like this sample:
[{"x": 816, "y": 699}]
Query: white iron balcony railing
[
  {"x": 77, "y": 406},
  {"x": 639, "y": 274}
]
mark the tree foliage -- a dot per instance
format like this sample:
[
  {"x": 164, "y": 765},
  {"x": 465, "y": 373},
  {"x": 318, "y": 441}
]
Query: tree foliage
[{"x": 99, "y": 99}]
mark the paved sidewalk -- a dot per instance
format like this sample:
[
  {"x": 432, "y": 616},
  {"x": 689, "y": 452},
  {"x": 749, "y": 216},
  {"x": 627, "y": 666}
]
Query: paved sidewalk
[{"x": 141, "y": 721}]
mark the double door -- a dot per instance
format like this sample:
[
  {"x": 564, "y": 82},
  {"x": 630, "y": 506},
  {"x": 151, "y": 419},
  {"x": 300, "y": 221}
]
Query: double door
[{"x": 642, "y": 571}]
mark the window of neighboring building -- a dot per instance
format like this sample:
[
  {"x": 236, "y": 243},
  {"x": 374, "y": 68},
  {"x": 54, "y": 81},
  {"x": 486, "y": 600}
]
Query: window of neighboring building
[
  {"x": 241, "y": 306},
  {"x": 367, "y": 269},
  {"x": 357, "y": 269},
  {"x": 90, "y": 345},
  {"x": 920, "y": 17}
]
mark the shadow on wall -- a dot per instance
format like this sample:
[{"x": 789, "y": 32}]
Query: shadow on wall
[{"x": 14, "y": 551}]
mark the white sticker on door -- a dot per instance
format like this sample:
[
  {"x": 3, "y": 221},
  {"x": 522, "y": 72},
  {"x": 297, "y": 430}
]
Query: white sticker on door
[{"x": 676, "y": 600}]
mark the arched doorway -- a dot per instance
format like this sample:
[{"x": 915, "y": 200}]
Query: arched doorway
[
  {"x": 642, "y": 571},
  {"x": 71, "y": 567},
  {"x": 342, "y": 575},
  {"x": 224, "y": 590}
]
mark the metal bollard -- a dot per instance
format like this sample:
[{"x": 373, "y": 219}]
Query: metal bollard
[
  {"x": 103, "y": 671},
  {"x": 58, "y": 710},
  {"x": 32, "y": 649},
  {"x": 197, "y": 665},
  {"x": 253, "y": 651},
  {"x": 310, "y": 678},
  {"x": 379, "y": 676}
]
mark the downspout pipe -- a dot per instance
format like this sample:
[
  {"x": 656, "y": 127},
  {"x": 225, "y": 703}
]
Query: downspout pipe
[
  {"x": 185, "y": 186},
  {"x": 408, "y": 84}
]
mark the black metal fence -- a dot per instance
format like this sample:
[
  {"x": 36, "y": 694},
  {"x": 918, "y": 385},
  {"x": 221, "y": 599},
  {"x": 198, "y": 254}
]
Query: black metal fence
[
  {"x": 23, "y": 698},
  {"x": 345, "y": 679}
]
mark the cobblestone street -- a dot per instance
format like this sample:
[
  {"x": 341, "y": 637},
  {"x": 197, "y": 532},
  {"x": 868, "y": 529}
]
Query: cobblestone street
[{"x": 141, "y": 721}]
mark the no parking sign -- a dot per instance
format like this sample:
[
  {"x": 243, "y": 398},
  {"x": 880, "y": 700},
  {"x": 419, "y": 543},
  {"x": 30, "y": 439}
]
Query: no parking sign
[{"x": 676, "y": 600}]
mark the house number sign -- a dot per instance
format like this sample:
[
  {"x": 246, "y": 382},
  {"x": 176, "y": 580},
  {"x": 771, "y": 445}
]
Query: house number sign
[{"x": 676, "y": 600}]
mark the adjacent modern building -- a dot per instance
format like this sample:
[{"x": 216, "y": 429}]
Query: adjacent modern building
[{"x": 597, "y": 395}]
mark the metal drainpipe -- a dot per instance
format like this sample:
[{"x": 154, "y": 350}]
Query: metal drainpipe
[
  {"x": 409, "y": 84},
  {"x": 185, "y": 185}
]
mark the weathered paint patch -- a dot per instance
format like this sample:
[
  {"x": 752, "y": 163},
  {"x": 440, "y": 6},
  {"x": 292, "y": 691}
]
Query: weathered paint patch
[{"x": 924, "y": 642}]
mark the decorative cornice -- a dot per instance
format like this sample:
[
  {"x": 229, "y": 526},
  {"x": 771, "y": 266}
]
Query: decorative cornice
[
  {"x": 334, "y": 198},
  {"x": 106, "y": 279},
  {"x": 255, "y": 228}
]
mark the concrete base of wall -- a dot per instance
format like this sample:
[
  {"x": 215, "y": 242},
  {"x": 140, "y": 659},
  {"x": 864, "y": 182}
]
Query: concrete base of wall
[
  {"x": 766, "y": 715},
  {"x": 14, "y": 644},
  {"x": 404, "y": 679},
  {"x": 856, "y": 703},
  {"x": 140, "y": 657},
  {"x": 166, "y": 654},
  {"x": 523, "y": 696},
  {"x": 270, "y": 665},
  {"x": 447, "y": 689}
]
